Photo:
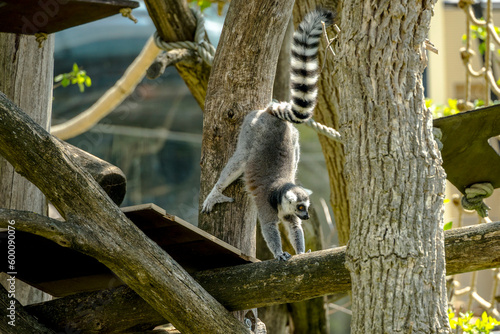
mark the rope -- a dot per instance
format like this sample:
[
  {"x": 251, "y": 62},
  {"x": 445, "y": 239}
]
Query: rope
[
  {"x": 127, "y": 12},
  {"x": 40, "y": 38},
  {"x": 324, "y": 130},
  {"x": 204, "y": 49},
  {"x": 438, "y": 135},
  {"x": 473, "y": 198}
]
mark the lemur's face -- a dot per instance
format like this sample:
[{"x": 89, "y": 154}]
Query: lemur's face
[{"x": 296, "y": 202}]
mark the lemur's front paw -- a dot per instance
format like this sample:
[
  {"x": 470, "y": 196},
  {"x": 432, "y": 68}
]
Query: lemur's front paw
[
  {"x": 213, "y": 198},
  {"x": 284, "y": 257}
]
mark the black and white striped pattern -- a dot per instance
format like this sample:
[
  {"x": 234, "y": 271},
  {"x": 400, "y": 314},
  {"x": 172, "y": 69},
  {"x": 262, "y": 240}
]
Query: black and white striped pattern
[{"x": 304, "y": 69}]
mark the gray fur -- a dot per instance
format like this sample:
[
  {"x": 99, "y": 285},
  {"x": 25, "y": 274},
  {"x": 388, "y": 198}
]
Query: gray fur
[{"x": 267, "y": 153}]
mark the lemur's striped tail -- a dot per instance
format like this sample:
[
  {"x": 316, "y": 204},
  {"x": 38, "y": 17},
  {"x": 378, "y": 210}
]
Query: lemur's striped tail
[{"x": 304, "y": 68}]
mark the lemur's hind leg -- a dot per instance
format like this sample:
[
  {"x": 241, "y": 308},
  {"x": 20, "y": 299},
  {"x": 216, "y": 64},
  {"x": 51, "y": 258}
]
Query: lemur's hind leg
[
  {"x": 295, "y": 233},
  {"x": 232, "y": 171}
]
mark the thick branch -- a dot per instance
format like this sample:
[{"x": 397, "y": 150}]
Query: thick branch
[
  {"x": 109, "y": 177},
  {"x": 175, "y": 22},
  {"x": 58, "y": 231},
  {"x": 271, "y": 282},
  {"x": 108, "y": 235},
  {"x": 15, "y": 319}
]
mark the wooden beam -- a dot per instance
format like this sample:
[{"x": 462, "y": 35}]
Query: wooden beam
[
  {"x": 468, "y": 158},
  {"x": 271, "y": 282},
  {"x": 33, "y": 16}
]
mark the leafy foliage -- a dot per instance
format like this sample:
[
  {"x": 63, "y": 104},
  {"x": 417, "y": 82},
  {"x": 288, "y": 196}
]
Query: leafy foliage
[
  {"x": 448, "y": 226},
  {"x": 483, "y": 325},
  {"x": 204, "y": 4},
  {"x": 450, "y": 109},
  {"x": 76, "y": 76},
  {"x": 442, "y": 110},
  {"x": 480, "y": 33}
]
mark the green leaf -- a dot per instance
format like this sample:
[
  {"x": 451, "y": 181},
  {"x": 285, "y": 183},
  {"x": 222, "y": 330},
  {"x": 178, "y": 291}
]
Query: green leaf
[
  {"x": 88, "y": 82},
  {"x": 448, "y": 226},
  {"x": 75, "y": 68},
  {"x": 452, "y": 103},
  {"x": 65, "y": 82},
  {"x": 59, "y": 78}
]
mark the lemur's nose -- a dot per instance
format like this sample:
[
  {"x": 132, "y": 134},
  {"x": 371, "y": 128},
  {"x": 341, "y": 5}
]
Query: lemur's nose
[{"x": 305, "y": 216}]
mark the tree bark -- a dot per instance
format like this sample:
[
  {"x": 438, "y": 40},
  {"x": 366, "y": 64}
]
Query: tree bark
[
  {"x": 116, "y": 310},
  {"x": 20, "y": 320},
  {"x": 95, "y": 226},
  {"x": 110, "y": 178},
  {"x": 327, "y": 113},
  {"x": 26, "y": 78},
  {"x": 176, "y": 23},
  {"x": 395, "y": 179},
  {"x": 266, "y": 283},
  {"x": 26, "y": 73}
]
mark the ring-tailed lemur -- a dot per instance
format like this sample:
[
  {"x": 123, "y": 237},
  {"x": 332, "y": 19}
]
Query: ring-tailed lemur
[{"x": 267, "y": 152}]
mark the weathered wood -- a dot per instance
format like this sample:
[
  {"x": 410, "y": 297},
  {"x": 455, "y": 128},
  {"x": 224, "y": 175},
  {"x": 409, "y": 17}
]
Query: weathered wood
[
  {"x": 33, "y": 16},
  {"x": 107, "y": 311},
  {"x": 472, "y": 248},
  {"x": 175, "y": 22},
  {"x": 468, "y": 158},
  {"x": 61, "y": 271},
  {"x": 15, "y": 319},
  {"x": 26, "y": 73},
  {"x": 110, "y": 178},
  {"x": 266, "y": 283},
  {"x": 96, "y": 226}
]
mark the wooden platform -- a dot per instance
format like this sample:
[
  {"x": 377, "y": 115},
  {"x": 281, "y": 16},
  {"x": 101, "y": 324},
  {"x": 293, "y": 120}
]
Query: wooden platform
[
  {"x": 49, "y": 16},
  {"x": 467, "y": 156},
  {"x": 61, "y": 271}
]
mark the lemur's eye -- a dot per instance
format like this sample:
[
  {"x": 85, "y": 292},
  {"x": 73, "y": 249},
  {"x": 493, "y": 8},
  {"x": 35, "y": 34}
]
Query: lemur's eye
[{"x": 301, "y": 207}]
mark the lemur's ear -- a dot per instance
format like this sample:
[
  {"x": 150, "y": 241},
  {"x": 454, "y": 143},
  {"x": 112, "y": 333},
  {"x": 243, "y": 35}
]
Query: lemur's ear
[
  {"x": 290, "y": 196},
  {"x": 308, "y": 191}
]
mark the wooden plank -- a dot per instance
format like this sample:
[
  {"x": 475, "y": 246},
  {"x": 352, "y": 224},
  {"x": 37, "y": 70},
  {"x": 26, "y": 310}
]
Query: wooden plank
[
  {"x": 61, "y": 271},
  {"x": 49, "y": 16},
  {"x": 467, "y": 156}
]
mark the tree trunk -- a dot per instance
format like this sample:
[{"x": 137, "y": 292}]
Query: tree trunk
[
  {"x": 26, "y": 73},
  {"x": 395, "y": 179},
  {"x": 327, "y": 113}
]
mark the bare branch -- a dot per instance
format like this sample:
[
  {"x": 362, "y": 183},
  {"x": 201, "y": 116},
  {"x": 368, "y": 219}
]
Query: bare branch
[
  {"x": 58, "y": 231},
  {"x": 271, "y": 282}
]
